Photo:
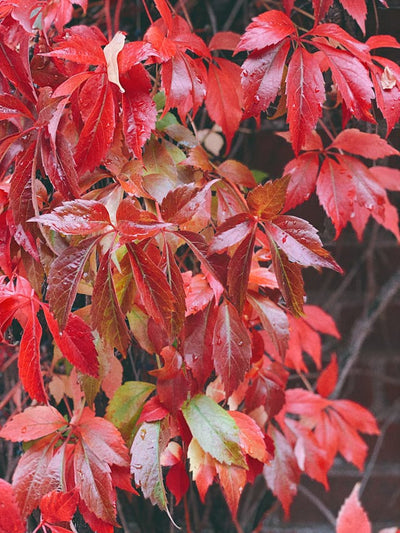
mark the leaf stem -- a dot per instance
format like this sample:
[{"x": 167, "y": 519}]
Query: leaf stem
[
  {"x": 117, "y": 15},
  {"x": 187, "y": 514},
  {"x": 108, "y": 19}
]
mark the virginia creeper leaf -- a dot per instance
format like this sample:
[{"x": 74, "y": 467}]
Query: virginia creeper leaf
[
  {"x": 232, "y": 347},
  {"x": 33, "y": 423},
  {"x": 107, "y": 316},
  {"x": 126, "y": 404},
  {"x": 64, "y": 276},
  {"x": 10, "y": 519},
  {"x": 214, "y": 430},
  {"x": 79, "y": 217},
  {"x": 305, "y": 92},
  {"x": 152, "y": 283},
  {"x": 352, "y": 515}
]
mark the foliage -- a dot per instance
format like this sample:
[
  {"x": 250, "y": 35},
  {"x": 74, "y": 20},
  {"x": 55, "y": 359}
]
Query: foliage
[{"x": 123, "y": 238}]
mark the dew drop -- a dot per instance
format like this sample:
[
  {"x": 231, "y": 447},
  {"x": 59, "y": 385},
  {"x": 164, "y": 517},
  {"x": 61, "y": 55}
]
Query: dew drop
[{"x": 240, "y": 343}]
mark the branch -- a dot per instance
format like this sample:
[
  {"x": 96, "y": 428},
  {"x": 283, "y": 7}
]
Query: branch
[
  {"x": 318, "y": 503},
  {"x": 363, "y": 326}
]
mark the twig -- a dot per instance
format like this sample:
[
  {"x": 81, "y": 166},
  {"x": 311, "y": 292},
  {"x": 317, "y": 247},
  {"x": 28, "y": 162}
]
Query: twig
[
  {"x": 393, "y": 413},
  {"x": 212, "y": 17},
  {"x": 232, "y": 15},
  {"x": 363, "y": 326},
  {"x": 317, "y": 502}
]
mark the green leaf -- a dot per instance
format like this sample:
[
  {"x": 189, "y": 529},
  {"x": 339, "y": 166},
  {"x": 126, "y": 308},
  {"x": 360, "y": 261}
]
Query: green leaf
[
  {"x": 126, "y": 405},
  {"x": 150, "y": 441},
  {"x": 213, "y": 428}
]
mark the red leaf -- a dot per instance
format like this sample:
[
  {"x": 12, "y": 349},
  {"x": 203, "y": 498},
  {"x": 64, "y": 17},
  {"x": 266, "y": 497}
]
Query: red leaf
[
  {"x": 262, "y": 74},
  {"x": 318, "y": 319},
  {"x": 14, "y": 57},
  {"x": 336, "y": 192},
  {"x": 198, "y": 346},
  {"x": 252, "y": 439},
  {"x": 338, "y": 34},
  {"x": 232, "y": 347},
  {"x": 10, "y": 519},
  {"x": 327, "y": 380},
  {"x": 59, "y": 165},
  {"x": 267, "y": 29},
  {"x": 33, "y": 423},
  {"x": 283, "y": 473},
  {"x": 138, "y": 108},
  {"x": 107, "y": 316},
  {"x": 231, "y": 232},
  {"x": 335, "y": 423},
  {"x": 224, "y": 96},
  {"x": 232, "y": 480},
  {"x": 352, "y": 80},
  {"x": 239, "y": 270},
  {"x": 30, "y": 480},
  {"x": 273, "y": 319},
  {"x": 303, "y": 172},
  {"x": 99, "y": 123},
  {"x": 305, "y": 91},
  {"x": 137, "y": 224},
  {"x": 300, "y": 241},
  {"x": 101, "y": 437},
  {"x": 153, "y": 286},
  {"x": 81, "y": 44},
  {"x": 267, "y": 389},
  {"x": 29, "y": 359},
  {"x": 172, "y": 384},
  {"x": 367, "y": 145},
  {"x": 75, "y": 343},
  {"x": 181, "y": 204},
  {"x": 152, "y": 411},
  {"x": 267, "y": 201},
  {"x": 12, "y": 107},
  {"x": 93, "y": 481},
  {"x": 79, "y": 217},
  {"x": 358, "y": 10},
  {"x": 224, "y": 40},
  {"x": 352, "y": 516},
  {"x": 178, "y": 481},
  {"x": 184, "y": 80},
  {"x": 321, "y": 8},
  {"x": 58, "y": 506},
  {"x": 236, "y": 172},
  {"x": 64, "y": 276}
]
